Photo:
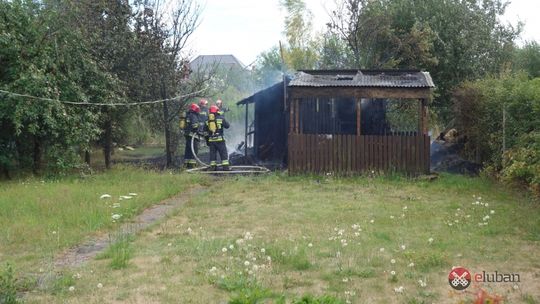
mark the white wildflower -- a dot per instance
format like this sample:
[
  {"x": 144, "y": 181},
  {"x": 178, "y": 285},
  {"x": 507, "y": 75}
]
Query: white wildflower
[
  {"x": 125, "y": 197},
  {"x": 255, "y": 267},
  {"x": 116, "y": 216},
  {"x": 54, "y": 232},
  {"x": 189, "y": 230},
  {"x": 263, "y": 250},
  {"x": 269, "y": 258},
  {"x": 132, "y": 194},
  {"x": 430, "y": 240},
  {"x": 393, "y": 273},
  {"x": 391, "y": 217},
  {"x": 345, "y": 280},
  {"x": 239, "y": 242},
  {"x": 105, "y": 196},
  {"x": 310, "y": 245},
  {"x": 213, "y": 269},
  {"x": 99, "y": 285},
  {"x": 399, "y": 289},
  {"x": 169, "y": 244},
  {"x": 372, "y": 221},
  {"x": 381, "y": 249},
  {"x": 486, "y": 205},
  {"x": 403, "y": 247},
  {"x": 516, "y": 287},
  {"x": 356, "y": 233},
  {"x": 224, "y": 249},
  {"x": 116, "y": 205},
  {"x": 77, "y": 276},
  {"x": 246, "y": 263},
  {"x": 492, "y": 212},
  {"x": 405, "y": 208},
  {"x": 71, "y": 288},
  {"x": 411, "y": 264},
  {"x": 392, "y": 261},
  {"x": 231, "y": 247}
]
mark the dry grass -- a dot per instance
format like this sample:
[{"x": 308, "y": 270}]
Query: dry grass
[{"x": 303, "y": 223}]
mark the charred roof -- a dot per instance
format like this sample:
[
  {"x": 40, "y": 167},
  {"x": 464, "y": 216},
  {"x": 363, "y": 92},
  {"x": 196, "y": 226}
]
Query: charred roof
[{"x": 363, "y": 78}]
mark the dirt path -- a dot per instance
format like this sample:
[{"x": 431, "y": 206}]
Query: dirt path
[{"x": 89, "y": 249}]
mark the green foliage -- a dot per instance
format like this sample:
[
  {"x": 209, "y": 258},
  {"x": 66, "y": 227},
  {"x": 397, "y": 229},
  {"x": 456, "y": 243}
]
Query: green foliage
[
  {"x": 325, "y": 299},
  {"x": 8, "y": 290},
  {"x": 119, "y": 252},
  {"x": 479, "y": 108},
  {"x": 521, "y": 164},
  {"x": 527, "y": 58}
]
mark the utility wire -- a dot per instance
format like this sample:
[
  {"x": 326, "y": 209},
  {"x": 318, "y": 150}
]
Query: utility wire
[{"x": 104, "y": 104}]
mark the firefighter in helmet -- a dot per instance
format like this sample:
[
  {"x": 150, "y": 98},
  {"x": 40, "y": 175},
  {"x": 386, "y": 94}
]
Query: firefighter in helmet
[
  {"x": 203, "y": 115},
  {"x": 191, "y": 124},
  {"x": 214, "y": 128},
  {"x": 222, "y": 109}
]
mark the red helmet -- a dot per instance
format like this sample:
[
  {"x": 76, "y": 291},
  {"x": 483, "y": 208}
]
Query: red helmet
[
  {"x": 195, "y": 108},
  {"x": 203, "y": 102},
  {"x": 214, "y": 109}
]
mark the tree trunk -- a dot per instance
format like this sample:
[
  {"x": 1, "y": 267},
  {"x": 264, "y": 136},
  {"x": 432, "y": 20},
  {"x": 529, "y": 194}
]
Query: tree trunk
[
  {"x": 167, "y": 126},
  {"x": 87, "y": 159},
  {"x": 5, "y": 171},
  {"x": 107, "y": 144},
  {"x": 38, "y": 151}
]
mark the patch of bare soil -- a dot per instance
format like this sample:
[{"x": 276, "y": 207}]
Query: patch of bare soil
[{"x": 90, "y": 248}]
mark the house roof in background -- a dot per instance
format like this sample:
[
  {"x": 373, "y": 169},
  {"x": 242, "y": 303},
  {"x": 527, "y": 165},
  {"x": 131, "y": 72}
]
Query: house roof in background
[
  {"x": 203, "y": 61},
  {"x": 363, "y": 78}
]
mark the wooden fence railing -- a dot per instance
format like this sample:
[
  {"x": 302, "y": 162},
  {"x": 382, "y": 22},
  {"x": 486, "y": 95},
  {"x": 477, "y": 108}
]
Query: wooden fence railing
[{"x": 347, "y": 154}]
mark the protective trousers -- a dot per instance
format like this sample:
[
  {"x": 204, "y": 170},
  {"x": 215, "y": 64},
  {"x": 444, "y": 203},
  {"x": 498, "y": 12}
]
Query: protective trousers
[
  {"x": 189, "y": 159},
  {"x": 221, "y": 148}
]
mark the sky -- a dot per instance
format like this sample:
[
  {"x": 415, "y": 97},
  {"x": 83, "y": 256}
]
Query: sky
[{"x": 245, "y": 28}]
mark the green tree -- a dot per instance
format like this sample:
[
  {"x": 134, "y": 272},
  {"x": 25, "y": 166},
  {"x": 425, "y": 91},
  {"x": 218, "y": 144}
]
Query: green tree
[
  {"x": 454, "y": 40},
  {"x": 43, "y": 56},
  {"x": 527, "y": 58}
]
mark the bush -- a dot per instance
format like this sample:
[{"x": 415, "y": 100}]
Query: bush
[
  {"x": 8, "y": 290},
  {"x": 479, "y": 108},
  {"x": 521, "y": 164}
]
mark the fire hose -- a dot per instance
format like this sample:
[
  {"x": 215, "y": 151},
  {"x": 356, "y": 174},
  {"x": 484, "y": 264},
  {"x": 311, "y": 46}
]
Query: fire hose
[{"x": 233, "y": 169}]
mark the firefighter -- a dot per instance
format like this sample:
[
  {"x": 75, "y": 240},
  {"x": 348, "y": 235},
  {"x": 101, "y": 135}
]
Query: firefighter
[
  {"x": 203, "y": 104},
  {"x": 214, "y": 128},
  {"x": 222, "y": 109},
  {"x": 191, "y": 124}
]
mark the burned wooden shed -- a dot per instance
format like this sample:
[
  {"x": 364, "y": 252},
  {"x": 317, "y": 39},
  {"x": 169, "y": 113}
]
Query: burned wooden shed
[{"x": 346, "y": 121}]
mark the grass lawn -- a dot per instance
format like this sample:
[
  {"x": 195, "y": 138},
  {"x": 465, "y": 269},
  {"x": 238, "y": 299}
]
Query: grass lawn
[
  {"x": 358, "y": 240},
  {"x": 39, "y": 218}
]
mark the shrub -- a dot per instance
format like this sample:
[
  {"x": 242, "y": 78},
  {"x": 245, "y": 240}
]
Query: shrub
[{"x": 8, "y": 290}]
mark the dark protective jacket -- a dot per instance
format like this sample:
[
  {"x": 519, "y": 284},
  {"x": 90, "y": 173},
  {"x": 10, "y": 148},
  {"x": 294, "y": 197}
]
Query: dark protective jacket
[
  {"x": 203, "y": 115},
  {"x": 221, "y": 123},
  {"x": 193, "y": 123}
]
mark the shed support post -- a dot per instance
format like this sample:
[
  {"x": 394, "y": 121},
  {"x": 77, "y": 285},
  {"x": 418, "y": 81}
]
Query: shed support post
[
  {"x": 422, "y": 116},
  {"x": 247, "y": 131},
  {"x": 358, "y": 116}
]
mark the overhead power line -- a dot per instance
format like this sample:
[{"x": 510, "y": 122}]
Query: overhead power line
[{"x": 196, "y": 93}]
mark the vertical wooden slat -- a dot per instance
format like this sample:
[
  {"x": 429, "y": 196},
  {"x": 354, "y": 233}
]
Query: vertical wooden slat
[
  {"x": 361, "y": 155},
  {"x": 371, "y": 152},
  {"x": 427, "y": 154},
  {"x": 349, "y": 154},
  {"x": 354, "y": 141},
  {"x": 310, "y": 149},
  {"x": 317, "y": 149}
]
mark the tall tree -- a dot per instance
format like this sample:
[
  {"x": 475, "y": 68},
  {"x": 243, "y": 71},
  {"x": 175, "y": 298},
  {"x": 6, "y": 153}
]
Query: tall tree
[{"x": 455, "y": 40}]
